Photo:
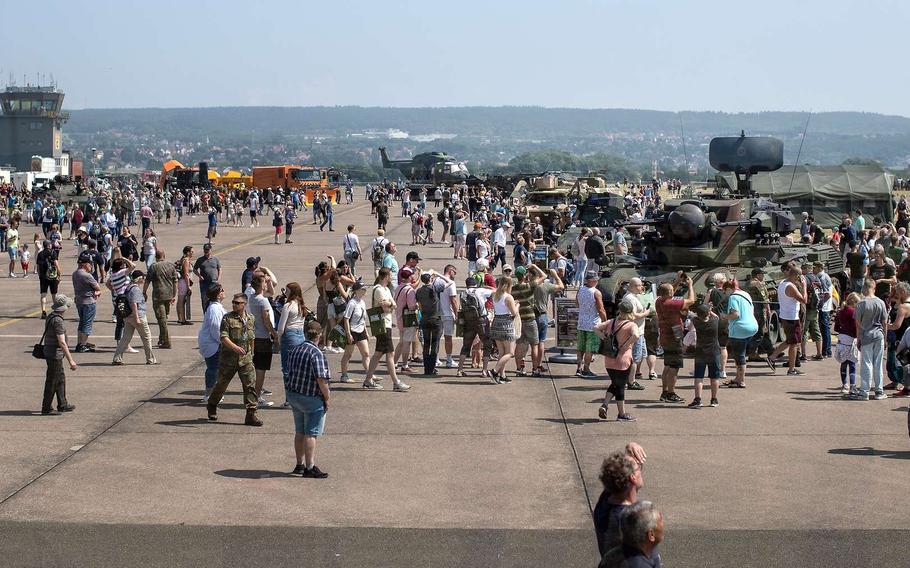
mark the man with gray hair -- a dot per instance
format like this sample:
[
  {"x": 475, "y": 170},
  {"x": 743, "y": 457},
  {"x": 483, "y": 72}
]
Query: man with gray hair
[
  {"x": 642, "y": 530},
  {"x": 871, "y": 322}
]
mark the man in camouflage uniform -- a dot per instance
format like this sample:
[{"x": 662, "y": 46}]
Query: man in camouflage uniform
[
  {"x": 758, "y": 290},
  {"x": 236, "y": 357}
]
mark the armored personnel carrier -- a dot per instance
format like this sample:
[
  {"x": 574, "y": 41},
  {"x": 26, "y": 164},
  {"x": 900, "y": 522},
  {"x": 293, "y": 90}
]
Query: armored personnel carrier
[{"x": 725, "y": 231}]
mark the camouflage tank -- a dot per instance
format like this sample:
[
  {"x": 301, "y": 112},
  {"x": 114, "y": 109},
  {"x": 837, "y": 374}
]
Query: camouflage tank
[{"x": 728, "y": 232}]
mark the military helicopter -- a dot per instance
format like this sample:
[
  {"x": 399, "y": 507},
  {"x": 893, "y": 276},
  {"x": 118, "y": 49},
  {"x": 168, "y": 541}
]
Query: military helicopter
[{"x": 430, "y": 168}]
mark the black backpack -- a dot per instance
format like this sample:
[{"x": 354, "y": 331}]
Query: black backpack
[
  {"x": 594, "y": 248},
  {"x": 610, "y": 346},
  {"x": 122, "y": 307},
  {"x": 470, "y": 308},
  {"x": 428, "y": 300},
  {"x": 471, "y": 244}
]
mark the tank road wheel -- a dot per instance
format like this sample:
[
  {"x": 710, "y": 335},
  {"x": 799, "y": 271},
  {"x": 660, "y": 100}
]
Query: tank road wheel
[{"x": 774, "y": 331}]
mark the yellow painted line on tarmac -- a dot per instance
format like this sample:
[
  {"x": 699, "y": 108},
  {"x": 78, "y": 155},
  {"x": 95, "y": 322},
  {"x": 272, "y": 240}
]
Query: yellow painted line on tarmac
[{"x": 33, "y": 314}]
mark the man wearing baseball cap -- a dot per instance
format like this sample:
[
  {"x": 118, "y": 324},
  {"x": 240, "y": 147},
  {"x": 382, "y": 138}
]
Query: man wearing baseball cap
[
  {"x": 86, "y": 290},
  {"x": 55, "y": 350},
  {"x": 590, "y": 313},
  {"x": 252, "y": 263},
  {"x": 135, "y": 320},
  {"x": 409, "y": 268}
]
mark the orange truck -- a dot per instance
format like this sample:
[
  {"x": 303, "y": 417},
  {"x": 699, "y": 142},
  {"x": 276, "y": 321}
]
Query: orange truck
[{"x": 311, "y": 179}]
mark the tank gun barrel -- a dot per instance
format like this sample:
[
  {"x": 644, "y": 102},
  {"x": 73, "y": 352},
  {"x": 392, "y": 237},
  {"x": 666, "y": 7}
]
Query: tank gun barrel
[{"x": 739, "y": 223}]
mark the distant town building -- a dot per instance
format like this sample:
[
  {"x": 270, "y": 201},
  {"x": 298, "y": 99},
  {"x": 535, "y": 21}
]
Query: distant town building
[{"x": 31, "y": 125}]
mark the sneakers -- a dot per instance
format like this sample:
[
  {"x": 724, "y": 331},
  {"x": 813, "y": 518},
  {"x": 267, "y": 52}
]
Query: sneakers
[
  {"x": 131, "y": 349},
  {"x": 696, "y": 403},
  {"x": 153, "y": 362},
  {"x": 635, "y": 386},
  {"x": 43, "y": 315},
  {"x": 372, "y": 385},
  {"x": 878, "y": 396},
  {"x": 315, "y": 473},
  {"x": 795, "y": 373},
  {"x": 602, "y": 412},
  {"x": 84, "y": 349},
  {"x": 266, "y": 392},
  {"x": 626, "y": 418},
  {"x": 858, "y": 396},
  {"x": 503, "y": 378},
  {"x": 212, "y": 411},
  {"x": 579, "y": 373},
  {"x": 494, "y": 377},
  {"x": 264, "y": 402},
  {"x": 401, "y": 387},
  {"x": 299, "y": 469},
  {"x": 652, "y": 376},
  {"x": 116, "y": 363},
  {"x": 663, "y": 397},
  {"x": 588, "y": 374},
  {"x": 846, "y": 390},
  {"x": 345, "y": 378},
  {"x": 818, "y": 357},
  {"x": 67, "y": 408},
  {"x": 675, "y": 398},
  {"x": 714, "y": 403},
  {"x": 450, "y": 363},
  {"x": 771, "y": 364}
]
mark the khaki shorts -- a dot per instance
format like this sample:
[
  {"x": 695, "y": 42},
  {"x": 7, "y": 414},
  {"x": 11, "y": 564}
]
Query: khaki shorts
[{"x": 408, "y": 334}]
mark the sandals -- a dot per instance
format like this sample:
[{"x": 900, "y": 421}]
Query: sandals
[
  {"x": 521, "y": 372},
  {"x": 734, "y": 385},
  {"x": 460, "y": 373}
]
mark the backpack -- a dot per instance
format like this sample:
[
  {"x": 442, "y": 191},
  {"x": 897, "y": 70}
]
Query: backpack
[
  {"x": 470, "y": 308},
  {"x": 471, "y": 244},
  {"x": 594, "y": 248},
  {"x": 378, "y": 250},
  {"x": 441, "y": 215},
  {"x": 609, "y": 346},
  {"x": 122, "y": 307},
  {"x": 428, "y": 301}
]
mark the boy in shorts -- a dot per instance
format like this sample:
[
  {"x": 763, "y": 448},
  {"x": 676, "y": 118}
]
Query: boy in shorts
[{"x": 707, "y": 353}]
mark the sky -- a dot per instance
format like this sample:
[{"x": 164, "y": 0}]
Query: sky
[{"x": 664, "y": 55}]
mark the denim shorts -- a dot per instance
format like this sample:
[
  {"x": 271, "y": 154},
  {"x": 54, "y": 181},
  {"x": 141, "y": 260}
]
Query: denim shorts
[
  {"x": 86, "y": 317},
  {"x": 309, "y": 413},
  {"x": 639, "y": 349},
  {"x": 738, "y": 349},
  {"x": 542, "y": 324}
]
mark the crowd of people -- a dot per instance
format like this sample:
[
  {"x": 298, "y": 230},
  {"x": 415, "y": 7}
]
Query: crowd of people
[{"x": 501, "y": 307}]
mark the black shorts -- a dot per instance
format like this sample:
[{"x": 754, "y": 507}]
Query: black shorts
[
  {"x": 673, "y": 354},
  {"x": 46, "y": 285},
  {"x": 359, "y": 336},
  {"x": 262, "y": 354},
  {"x": 471, "y": 333},
  {"x": 384, "y": 343}
]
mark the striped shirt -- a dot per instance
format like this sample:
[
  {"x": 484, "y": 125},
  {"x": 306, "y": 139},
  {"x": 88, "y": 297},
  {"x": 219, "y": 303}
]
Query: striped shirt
[
  {"x": 120, "y": 280},
  {"x": 306, "y": 364}
]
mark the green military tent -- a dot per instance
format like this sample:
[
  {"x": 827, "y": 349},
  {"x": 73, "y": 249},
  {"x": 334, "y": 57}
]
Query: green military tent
[{"x": 827, "y": 192}]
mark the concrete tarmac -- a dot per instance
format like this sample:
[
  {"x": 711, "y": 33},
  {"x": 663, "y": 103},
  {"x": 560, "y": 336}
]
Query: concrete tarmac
[{"x": 456, "y": 472}]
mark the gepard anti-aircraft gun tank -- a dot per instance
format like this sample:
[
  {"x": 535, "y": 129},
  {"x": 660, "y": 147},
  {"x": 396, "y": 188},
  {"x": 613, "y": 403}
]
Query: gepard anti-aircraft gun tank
[{"x": 725, "y": 231}]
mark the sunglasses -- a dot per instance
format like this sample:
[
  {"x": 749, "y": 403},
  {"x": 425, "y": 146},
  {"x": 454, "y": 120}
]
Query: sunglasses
[{"x": 238, "y": 303}]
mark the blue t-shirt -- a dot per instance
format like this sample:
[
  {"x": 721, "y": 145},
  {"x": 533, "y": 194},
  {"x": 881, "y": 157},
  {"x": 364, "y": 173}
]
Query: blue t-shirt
[{"x": 746, "y": 325}]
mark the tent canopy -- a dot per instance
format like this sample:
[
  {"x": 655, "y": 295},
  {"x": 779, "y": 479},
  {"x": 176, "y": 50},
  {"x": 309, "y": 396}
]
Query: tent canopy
[{"x": 826, "y": 192}]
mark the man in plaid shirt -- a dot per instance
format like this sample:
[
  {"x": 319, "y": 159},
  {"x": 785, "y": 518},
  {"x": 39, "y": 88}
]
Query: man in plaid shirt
[{"x": 307, "y": 389}]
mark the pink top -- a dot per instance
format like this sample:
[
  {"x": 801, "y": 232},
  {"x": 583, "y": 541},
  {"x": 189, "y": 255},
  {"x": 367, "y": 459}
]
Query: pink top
[
  {"x": 405, "y": 297},
  {"x": 627, "y": 334}
]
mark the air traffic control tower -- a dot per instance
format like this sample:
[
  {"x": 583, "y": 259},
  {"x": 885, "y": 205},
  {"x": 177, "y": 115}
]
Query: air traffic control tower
[{"x": 30, "y": 125}]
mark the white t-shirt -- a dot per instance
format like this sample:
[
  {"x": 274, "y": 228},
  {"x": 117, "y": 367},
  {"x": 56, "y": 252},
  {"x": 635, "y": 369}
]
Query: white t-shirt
[
  {"x": 482, "y": 295},
  {"x": 377, "y": 295},
  {"x": 640, "y": 322},
  {"x": 449, "y": 292},
  {"x": 499, "y": 237},
  {"x": 483, "y": 249},
  {"x": 351, "y": 243},
  {"x": 356, "y": 314}
]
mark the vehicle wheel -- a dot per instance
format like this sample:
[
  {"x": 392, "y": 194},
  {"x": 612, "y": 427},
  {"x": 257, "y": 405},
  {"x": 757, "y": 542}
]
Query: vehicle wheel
[{"x": 774, "y": 331}]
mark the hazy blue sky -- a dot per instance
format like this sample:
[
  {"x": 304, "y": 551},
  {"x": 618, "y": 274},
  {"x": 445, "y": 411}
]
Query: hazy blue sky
[{"x": 669, "y": 55}]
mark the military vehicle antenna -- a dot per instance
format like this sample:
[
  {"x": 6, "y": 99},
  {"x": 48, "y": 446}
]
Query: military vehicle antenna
[
  {"x": 800, "y": 151},
  {"x": 685, "y": 153}
]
